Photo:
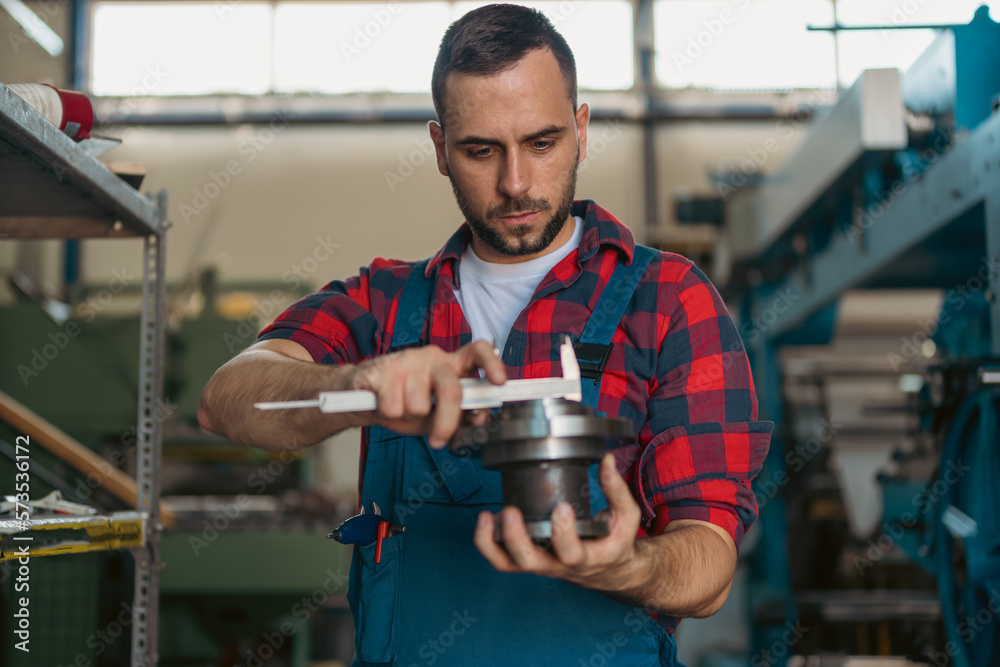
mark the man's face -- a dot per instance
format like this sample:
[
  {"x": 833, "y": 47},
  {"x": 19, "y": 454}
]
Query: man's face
[{"x": 511, "y": 151}]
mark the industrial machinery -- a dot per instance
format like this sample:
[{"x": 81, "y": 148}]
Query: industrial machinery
[
  {"x": 895, "y": 187},
  {"x": 235, "y": 509}
]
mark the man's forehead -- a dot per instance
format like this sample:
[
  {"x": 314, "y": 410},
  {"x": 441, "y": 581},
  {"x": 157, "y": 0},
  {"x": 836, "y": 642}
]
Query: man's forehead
[{"x": 534, "y": 88}]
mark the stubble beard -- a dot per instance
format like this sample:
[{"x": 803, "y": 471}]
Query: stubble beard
[{"x": 522, "y": 244}]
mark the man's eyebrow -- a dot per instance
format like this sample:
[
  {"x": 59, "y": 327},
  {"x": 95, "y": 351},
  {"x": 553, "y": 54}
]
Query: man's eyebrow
[
  {"x": 550, "y": 130},
  {"x": 473, "y": 140}
]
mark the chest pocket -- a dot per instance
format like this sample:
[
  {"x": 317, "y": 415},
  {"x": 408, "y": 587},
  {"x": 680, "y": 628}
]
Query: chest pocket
[{"x": 438, "y": 476}]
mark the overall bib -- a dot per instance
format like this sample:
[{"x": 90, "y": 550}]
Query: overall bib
[{"x": 433, "y": 599}]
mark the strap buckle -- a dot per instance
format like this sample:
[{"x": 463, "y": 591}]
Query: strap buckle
[{"x": 592, "y": 357}]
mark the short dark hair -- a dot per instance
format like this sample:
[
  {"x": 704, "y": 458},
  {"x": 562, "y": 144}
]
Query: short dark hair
[{"x": 494, "y": 38}]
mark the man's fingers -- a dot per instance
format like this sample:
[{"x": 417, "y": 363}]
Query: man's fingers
[
  {"x": 391, "y": 396},
  {"x": 448, "y": 411},
  {"x": 423, "y": 385},
  {"x": 488, "y": 547},
  {"x": 418, "y": 395},
  {"x": 481, "y": 354},
  {"x": 566, "y": 544},
  {"x": 620, "y": 500},
  {"x": 523, "y": 552}
]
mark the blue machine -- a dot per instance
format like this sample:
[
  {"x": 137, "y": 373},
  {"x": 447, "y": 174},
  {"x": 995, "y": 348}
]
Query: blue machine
[{"x": 895, "y": 187}]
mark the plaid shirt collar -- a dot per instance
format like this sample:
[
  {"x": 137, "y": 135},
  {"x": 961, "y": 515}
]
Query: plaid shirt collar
[{"x": 600, "y": 228}]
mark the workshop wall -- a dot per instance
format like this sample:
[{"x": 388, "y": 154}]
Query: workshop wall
[
  {"x": 301, "y": 204},
  {"x": 254, "y": 200}
]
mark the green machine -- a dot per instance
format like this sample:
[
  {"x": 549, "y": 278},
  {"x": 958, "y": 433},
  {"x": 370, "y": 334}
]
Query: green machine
[{"x": 248, "y": 575}]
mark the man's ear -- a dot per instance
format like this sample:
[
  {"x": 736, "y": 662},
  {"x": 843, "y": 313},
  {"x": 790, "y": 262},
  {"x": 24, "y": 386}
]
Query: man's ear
[
  {"x": 437, "y": 136},
  {"x": 582, "y": 118}
]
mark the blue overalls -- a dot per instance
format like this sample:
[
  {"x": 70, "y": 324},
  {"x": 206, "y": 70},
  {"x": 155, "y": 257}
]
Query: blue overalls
[{"x": 433, "y": 599}]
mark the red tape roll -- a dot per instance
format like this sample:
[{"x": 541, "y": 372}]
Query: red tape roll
[{"x": 78, "y": 114}]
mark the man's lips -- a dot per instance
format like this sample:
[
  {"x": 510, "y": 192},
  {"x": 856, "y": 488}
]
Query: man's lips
[{"x": 519, "y": 218}]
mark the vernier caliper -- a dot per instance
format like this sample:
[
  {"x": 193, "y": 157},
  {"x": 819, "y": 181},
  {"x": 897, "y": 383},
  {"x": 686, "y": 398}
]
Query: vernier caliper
[{"x": 476, "y": 393}]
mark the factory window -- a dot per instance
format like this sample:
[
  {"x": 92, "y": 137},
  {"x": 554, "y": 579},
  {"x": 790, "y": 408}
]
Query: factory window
[
  {"x": 600, "y": 34},
  {"x": 181, "y": 49},
  {"x": 232, "y": 46},
  {"x": 743, "y": 44},
  {"x": 888, "y": 47},
  {"x": 361, "y": 47},
  {"x": 356, "y": 47}
]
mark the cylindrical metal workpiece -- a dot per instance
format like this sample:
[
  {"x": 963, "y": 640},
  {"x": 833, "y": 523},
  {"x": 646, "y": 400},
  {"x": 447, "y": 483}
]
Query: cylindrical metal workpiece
[
  {"x": 543, "y": 449},
  {"x": 536, "y": 488}
]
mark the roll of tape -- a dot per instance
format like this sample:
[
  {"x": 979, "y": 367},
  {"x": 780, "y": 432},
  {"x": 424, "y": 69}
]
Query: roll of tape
[
  {"x": 43, "y": 99},
  {"x": 68, "y": 110}
]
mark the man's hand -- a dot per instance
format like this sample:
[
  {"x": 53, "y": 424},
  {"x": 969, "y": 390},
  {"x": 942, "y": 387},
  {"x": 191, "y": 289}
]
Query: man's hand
[
  {"x": 418, "y": 390},
  {"x": 594, "y": 563},
  {"x": 686, "y": 571}
]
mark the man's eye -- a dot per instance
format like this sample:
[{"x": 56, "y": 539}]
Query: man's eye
[
  {"x": 481, "y": 152},
  {"x": 543, "y": 144}
]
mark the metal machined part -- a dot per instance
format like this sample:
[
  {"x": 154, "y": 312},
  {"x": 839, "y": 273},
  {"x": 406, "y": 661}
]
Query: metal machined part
[{"x": 543, "y": 449}]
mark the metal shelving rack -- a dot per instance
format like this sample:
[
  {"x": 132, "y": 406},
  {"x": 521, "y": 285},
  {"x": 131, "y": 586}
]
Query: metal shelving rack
[{"x": 51, "y": 189}]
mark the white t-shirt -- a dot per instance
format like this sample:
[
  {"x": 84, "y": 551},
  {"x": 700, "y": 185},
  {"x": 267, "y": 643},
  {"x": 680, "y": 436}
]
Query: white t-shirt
[{"x": 493, "y": 295}]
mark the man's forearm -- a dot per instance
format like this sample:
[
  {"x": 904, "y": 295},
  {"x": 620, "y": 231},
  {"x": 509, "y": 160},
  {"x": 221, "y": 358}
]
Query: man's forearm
[
  {"x": 226, "y": 405},
  {"x": 685, "y": 572}
]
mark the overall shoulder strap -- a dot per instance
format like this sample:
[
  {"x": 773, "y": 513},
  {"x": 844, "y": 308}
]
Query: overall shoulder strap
[
  {"x": 412, "y": 309},
  {"x": 595, "y": 342},
  {"x": 414, "y": 302}
]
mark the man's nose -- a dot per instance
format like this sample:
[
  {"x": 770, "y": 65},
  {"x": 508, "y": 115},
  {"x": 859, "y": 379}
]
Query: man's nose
[{"x": 515, "y": 179}]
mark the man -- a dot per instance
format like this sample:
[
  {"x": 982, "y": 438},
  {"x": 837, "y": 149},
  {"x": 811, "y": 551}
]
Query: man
[{"x": 529, "y": 266}]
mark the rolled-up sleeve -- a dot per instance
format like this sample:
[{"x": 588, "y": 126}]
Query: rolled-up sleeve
[
  {"x": 335, "y": 325},
  {"x": 705, "y": 445}
]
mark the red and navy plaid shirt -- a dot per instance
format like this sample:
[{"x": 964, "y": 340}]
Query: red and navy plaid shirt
[{"x": 677, "y": 365}]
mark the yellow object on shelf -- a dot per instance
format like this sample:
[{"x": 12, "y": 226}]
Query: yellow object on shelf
[{"x": 70, "y": 534}]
